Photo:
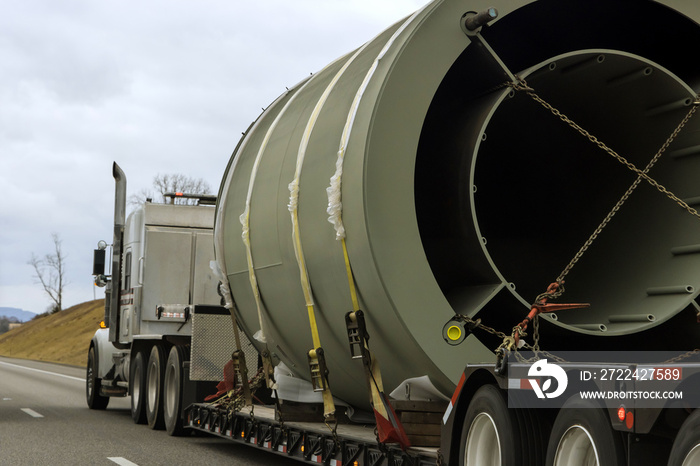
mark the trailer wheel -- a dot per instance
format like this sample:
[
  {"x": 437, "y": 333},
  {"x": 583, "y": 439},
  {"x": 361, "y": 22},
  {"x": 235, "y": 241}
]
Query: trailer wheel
[
  {"x": 154, "y": 387},
  {"x": 494, "y": 435},
  {"x": 92, "y": 383},
  {"x": 138, "y": 388},
  {"x": 686, "y": 447},
  {"x": 173, "y": 389},
  {"x": 582, "y": 436}
]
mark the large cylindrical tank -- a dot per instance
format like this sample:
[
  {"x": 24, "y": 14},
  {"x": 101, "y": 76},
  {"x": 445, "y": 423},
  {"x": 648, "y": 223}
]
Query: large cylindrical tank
[{"x": 460, "y": 195}]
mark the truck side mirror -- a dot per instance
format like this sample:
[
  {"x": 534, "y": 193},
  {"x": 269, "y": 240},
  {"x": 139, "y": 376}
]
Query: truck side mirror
[{"x": 98, "y": 262}]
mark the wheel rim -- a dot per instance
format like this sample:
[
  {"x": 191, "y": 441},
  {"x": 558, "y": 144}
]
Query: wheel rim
[
  {"x": 136, "y": 387},
  {"x": 90, "y": 374},
  {"x": 170, "y": 391},
  {"x": 483, "y": 446},
  {"x": 152, "y": 388},
  {"x": 693, "y": 457},
  {"x": 576, "y": 448}
]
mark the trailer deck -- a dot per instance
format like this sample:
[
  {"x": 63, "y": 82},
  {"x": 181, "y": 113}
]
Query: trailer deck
[{"x": 310, "y": 442}]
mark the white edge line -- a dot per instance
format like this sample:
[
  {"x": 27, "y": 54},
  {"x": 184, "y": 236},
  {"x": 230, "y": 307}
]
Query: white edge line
[
  {"x": 31, "y": 412},
  {"x": 121, "y": 461},
  {"x": 43, "y": 372}
]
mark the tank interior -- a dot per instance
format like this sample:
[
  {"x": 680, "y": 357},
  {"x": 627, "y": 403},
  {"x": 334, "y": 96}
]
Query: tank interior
[{"x": 506, "y": 192}]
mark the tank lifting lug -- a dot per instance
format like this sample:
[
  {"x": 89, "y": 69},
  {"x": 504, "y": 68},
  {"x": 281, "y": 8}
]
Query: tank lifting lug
[
  {"x": 472, "y": 24},
  {"x": 318, "y": 369},
  {"x": 458, "y": 328},
  {"x": 358, "y": 336},
  {"x": 471, "y": 21}
]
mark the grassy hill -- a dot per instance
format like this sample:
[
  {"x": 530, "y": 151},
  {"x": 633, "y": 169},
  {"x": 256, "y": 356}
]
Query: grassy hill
[{"x": 63, "y": 337}]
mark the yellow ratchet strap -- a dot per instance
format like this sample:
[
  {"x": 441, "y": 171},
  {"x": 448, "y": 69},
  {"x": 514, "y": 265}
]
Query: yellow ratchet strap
[
  {"x": 373, "y": 372},
  {"x": 351, "y": 280},
  {"x": 316, "y": 361}
]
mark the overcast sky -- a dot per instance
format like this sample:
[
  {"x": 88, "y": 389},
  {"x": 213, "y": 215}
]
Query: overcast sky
[{"x": 158, "y": 86}]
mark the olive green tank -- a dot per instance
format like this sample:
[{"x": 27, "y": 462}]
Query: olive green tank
[{"x": 457, "y": 194}]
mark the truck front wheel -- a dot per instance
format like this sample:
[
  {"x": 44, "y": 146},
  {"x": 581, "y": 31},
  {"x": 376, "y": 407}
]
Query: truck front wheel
[
  {"x": 154, "y": 387},
  {"x": 686, "y": 447},
  {"x": 582, "y": 436},
  {"x": 138, "y": 388},
  {"x": 172, "y": 390},
  {"x": 92, "y": 383},
  {"x": 494, "y": 435}
]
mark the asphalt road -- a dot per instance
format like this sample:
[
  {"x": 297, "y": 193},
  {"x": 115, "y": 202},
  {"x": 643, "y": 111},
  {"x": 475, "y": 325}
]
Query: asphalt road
[{"x": 44, "y": 420}]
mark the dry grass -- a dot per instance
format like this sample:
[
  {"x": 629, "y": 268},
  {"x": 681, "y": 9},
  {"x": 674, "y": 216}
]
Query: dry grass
[{"x": 63, "y": 337}]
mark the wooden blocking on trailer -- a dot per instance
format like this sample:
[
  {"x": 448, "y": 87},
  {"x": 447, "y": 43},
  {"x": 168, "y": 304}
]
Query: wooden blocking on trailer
[
  {"x": 422, "y": 420},
  {"x": 292, "y": 411}
]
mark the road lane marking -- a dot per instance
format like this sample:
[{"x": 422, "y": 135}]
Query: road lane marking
[
  {"x": 122, "y": 461},
  {"x": 31, "y": 412},
  {"x": 43, "y": 372}
]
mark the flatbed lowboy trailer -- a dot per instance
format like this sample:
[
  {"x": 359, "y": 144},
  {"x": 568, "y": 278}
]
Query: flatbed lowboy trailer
[{"x": 311, "y": 442}]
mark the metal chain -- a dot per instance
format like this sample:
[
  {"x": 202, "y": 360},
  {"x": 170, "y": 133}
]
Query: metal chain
[
  {"x": 477, "y": 324},
  {"x": 684, "y": 356},
  {"x": 536, "y": 334},
  {"x": 519, "y": 84},
  {"x": 234, "y": 400},
  {"x": 508, "y": 341},
  {"x": 642, "y": 174},
  {"x": 535, "y": 348},
  {"x": 333, "y": 429},
  {"x": 551, "y": 294},
  {"x": 278, "y": 408}
]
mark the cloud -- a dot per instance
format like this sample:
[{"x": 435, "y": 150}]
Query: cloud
[{"x": 159, "y": 86}]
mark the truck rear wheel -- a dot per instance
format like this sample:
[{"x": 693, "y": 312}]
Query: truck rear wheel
[
  {"x": 92, "y": 383},
  {"x": 494, "y": 435},
  {"x": 582, "y": 436},
  {"x": 138, "y": 388},
  {"x": 686, "y": 447},
  {"x": 154, "y": 387},
  {"x": 173, "y": 389}
]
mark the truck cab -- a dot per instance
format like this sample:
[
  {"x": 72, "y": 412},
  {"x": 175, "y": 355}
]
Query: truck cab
[
  {"x": 160, "y": 277},
  {"x": 167, "y": 250}
]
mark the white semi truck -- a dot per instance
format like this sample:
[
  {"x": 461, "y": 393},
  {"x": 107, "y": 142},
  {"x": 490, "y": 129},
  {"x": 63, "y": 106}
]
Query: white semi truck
[{"x": 160, "y": 279}]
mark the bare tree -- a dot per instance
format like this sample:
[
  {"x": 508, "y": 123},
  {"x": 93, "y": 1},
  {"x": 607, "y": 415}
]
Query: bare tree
[
  {"x": 175, "y": 183},
  {"x": 50, "y": 272}
]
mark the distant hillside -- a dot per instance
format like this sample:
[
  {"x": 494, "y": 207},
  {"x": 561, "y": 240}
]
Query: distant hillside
[
  {"x": 63, "y": 337},
  {"x": 19, "y": 314}
]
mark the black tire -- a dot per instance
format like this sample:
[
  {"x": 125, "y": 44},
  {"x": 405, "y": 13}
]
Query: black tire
[
  {"x": 92, "y": 383},
  {"x": 154, "y": 387},
  {"x": 686, "y": 447},
  {"x": 173, "y": 386},
  {"x": 492, "y": 430},
  {"x": 581, "y": 432},
  {"x": 138, "y": 387}
]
